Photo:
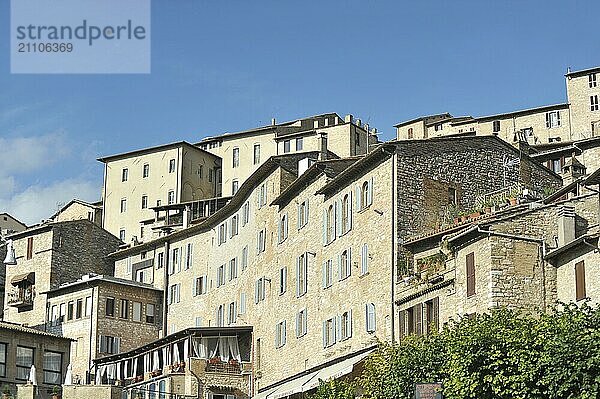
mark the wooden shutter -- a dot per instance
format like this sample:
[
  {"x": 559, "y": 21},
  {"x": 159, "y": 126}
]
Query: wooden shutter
[
  {"x": 436, "y": 313},
  {"x": 580, "y": 281},
  {"x": 470, "y": 274},
  {"x": 418, "y": 318},
  {"x": 402, "y": 323},
  {"x": 29, "y": 247}
]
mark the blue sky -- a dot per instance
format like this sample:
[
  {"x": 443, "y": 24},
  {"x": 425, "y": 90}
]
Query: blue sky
[{"x": 231, "y": 65}]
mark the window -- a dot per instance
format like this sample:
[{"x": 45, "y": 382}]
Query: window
[
  {"x": 232, "y": 313},
  {"x": 171, "y": 166},
  {"x": 233, "y": 231},
  {"x": 365, "y": 194},
  {"x": 282, "y": 280},
  {"x": 234, "y": 187},
  {"x": 220, "y": 316},
  {"x": 137, "y": 311},
  {"x": 262, "y": 195},
  {"x": 150, "y": 313},
  {"x": 189, "y": 255},
  {"x": 592, "y": 80},
  {"x": 299, "y": 144},
  {"x": 256, "y": 154},
  {"x": 259, "y": 290},
  {"x": 282, "y": 232},
  {"x": 580, "y": 281},
  {"x": 302, "y": 214},
  {"x": 552, "y": 119},
  {"x": 286, "y": 146},
  {"x": 594, "y": 103},
  {"x": 452, "y": 197},
  {"x": 222, "y": 233},
  {"x": 280, "y": 334},
  {"x": 62, "y": 312},
  {"x": 220, "y": 275},
  {"x": 199, "y": 171},
  {"x": 3, "y": 350},
  {"x": 233, "y": 270},
  {"x": 301, "y": 274},
  {"x": 198, "y": 321},
  {"x": 258, "y": 352},
  {"x": 243, "y": 303},
  {"x": 370, "y": 317},
  {"x": 158, "y": 202},
  {"x": 438, "y": 127},
  {"x": 79, "y": 309},
  {"x": 54, "y": 315},
  {"x": 346, "y": 214},
  {"x": 88, "y": 306},
  {"x": 244, "y": 258},
  {"x": 171, "y": 197},
  {"x": 145, "y": 170},
  {"x": 52, "y": 367},
  {"x": 24, "y": 362},
  {"x": 124, "y": 310},
  {"x": 110, "y": 306},
  {"x": 329, "y": 224},
  {"x": 110, "y": 344},
  {"x": 346, "y": 325},
  {"x": 410, "y": 133},
  {"x": 415, "y": 319},
  {"x": 200, "y": 285},
  {"x": 175, "y": 265},
  {"x": 470, "y": 274},
  {"x": 122, "y": 234},
  {"x": 356, "y": 138},
  {"x": 246, "y": 214},
  {"x": 174, "y": 294},
  {"x": 364, "y": 259},
  {"x": 236, "y": 157},
  {"x": 495, "y": 126},
  {"x": 124, "y": 174},
  {"x": 211, "y": 174},
  {"x": 345, "y": 264},
  {"x": 70, "y": 310},
  {"x": 123, "y": 205},
  {"x": 144, "y": 201},
  {"x": 329, "y": 332},
  {"x": 160, "y": 260},
  {"x": 29, "y": 248},
  {"x": 260, "y": 241},
  {"x": 327, "y": 273},
  {"x": 301, "y": 323},
  {"x": 432, "y": 315}
]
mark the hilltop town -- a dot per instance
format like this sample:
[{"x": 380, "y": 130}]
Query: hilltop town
[{"x": 254, "y": 264}]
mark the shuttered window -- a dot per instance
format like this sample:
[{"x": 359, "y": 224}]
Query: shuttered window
[
  {"x": 29, "y": 247},
  {"x": 580, "y": 281},
  {"x": 432, "y": 315},
  {"x": 471, "y": 274}
]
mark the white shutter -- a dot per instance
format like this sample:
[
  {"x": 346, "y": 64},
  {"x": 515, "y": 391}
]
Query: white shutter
[
  {"x": 324, "y": 334},
  {"x": 337, "y": 328},
  {"x": 169, "y": 295},
  {"x": 279, "y": 228},
  {"x": 256, "y": 293},
  {"x": 205, "y": 284},
  {"x": 349, "y": 327},
  {"x": 298, "y": 324},
  {"x": 349, "y": 264},
  {"x": 325, "y": 274},
  {"x": 306, "y": 212},
  {"x": 285, "y": 225},
  {"x": 325, "y": 227},
  {"x": 349, "y": 210},
  {"x": 194, "y": 291},
  {"x": 298, "y": 215},
  {"x": 304, "y": 321},
  {"x": 179, "y": 263},
  {"x": 284, "y": 333},
  {"x": 357, "y": 197},
  {"x": 243, "y": 303},
  {"x": 340, "y": 268},
  {"x": 338, "y": 218},
  {"x": 370, "y": 192},
  {"x": 117, "y": 345},
  {"x": 178, "y": 292},
  {"x": 298, "y": 277}
]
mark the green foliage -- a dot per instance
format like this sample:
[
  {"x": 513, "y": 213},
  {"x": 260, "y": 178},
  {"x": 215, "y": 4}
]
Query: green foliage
[
  {"x": 504, "y": 354},
  {"x": 335, "y": 389}
]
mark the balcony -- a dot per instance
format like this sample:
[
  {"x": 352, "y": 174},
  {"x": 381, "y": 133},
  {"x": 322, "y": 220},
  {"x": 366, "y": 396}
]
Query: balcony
[
  {"x": 217, "y": 366},
  {"x": 20, "y": 299}
]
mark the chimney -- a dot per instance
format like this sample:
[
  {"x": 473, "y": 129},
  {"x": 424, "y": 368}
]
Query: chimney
[
  {"x": 566, "y": 224},
  {"x": 316, "y": 124},
  {"x": 348, "y": 118},
  {"x": 326, "y": 122},
  {"x": 366, "y": 127},
  {"x": 273, "y": 121},
  {"x": 357, "y": 122},
  {"x": 336, "y": 120},
  {"x": 572, "y": 170},
  {"x": 323, "y": 146}
]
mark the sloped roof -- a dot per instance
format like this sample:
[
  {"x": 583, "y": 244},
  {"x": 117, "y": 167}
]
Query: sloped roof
[{"x": 28, "y": 330}]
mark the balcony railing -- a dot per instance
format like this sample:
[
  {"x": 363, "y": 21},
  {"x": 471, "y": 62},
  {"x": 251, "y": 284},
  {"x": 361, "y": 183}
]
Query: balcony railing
[
  {"x": 20, "y": 298},
  {"x": 223, "y": 367}
]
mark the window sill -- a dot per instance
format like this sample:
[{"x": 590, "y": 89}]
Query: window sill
[
  {"x": 328, "y": 287},
  {"x": 362, "y": 210},
  {"x": 344, "y": 278},
  {"x": 365, "y": 275}
]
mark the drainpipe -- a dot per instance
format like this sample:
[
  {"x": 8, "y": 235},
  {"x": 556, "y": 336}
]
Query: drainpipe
[
  {"x": 87, "y": 377},
  {"x": 167, "y": 259},
  {"x": 393, "y": 249}
]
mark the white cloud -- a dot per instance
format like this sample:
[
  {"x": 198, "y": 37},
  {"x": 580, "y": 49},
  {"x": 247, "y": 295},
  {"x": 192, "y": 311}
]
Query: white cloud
[
  {"x": 39, "y": 201},
  {"x": 19, "y": 155}
]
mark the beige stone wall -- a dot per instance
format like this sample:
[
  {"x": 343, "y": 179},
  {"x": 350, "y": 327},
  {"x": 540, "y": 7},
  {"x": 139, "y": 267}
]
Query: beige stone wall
[
  {"x": 193, "y": 186},
  {"x": 341, "y": 140},
  {"x": 77, "y": 211},
  {"x": 91, "y": 391},
  {"x": 566, "y": 276},
  {"x": 419, "y": 131},
  {"x": 578, "y": 93}
]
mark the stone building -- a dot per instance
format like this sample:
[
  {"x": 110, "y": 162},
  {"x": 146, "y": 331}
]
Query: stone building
[
  {"x": 21, "y": 347},
  {"x": 576, "y": 119},
  {"x": 307, "y": 256},
  {"x": 77, "y": 209},
  {"x": 243, "y": 152},
  {"x": 103, "y": 315},
  {"x": 8, "y": 225},
  {"x": 47, "y": 256},
  {"x": 138, "y": 180}
]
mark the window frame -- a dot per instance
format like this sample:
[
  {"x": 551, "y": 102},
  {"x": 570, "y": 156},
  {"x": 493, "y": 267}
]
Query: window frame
[
  {"x": 235, "y": 157},
  {"x": 58, "y": 372},
  {"x": 145, "y": 170},
  {"x": 24, "y": 367}
]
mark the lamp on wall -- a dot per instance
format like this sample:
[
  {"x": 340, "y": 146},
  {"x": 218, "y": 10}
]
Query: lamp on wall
[{"x": 10, "y": 258}]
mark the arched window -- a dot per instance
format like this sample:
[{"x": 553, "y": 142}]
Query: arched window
[
  {"x": 410, "y": 132},
  {"x": 330, "y": 223},
  {"x": 345, "y": 213},
  {"x": 364, "y": 195}
]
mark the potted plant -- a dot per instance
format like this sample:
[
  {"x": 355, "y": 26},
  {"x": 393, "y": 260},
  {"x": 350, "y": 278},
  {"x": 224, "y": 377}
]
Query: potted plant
[
  {"x": 6, "y": 392},
  {"x": 463, "y": 216},
  {"x": 474, "y": 214},
  {"x": 55, "y": 392},
  {"x": 487, "y": 207}
]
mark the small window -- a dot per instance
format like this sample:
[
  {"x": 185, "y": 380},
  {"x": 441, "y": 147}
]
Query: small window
[
  {"x": 222, "y": 233},
  {"x": 123, "y": 205},
  {"x": 330, "y": 224},
  {"x": 200, "y": 285},
  {"x": 144, "y": 201},
  {"x": 29, "y": 248},
  {"x": 259, "y": 290},
  {"x": 70, "y": 310},
  {"x": 592, "y": 80},
  {"x": 329, "y": 332},
  {"x": 410, "y": 133},
  {"x": 256, "y": 154},
  {"x": 3, "y": 352},
  {"x": 124, "y": 309},
  {"x": 364, "y": 259},
  {"x": 189, "y": 255},
  {"x": 124, "y": 174},
  {"x": 280, "y": 334},
  {"x": 234, "y": 187},
  {"x": 470, "y": 272},
  {"x": 137, "y": 311},
  {"x": 302, "y": 214},
  {"x": 344, "y": 263},
  {"x": 231, "y": 313},
  {"x": 286, "y": 146},
  {"x": 150, "y": 313},
  {"x": 246, "y": 213},
  {"x": 299, "y": 144},
  {"x": 160, "y": 260},
  {"x": 88, "y": 306},
  {"x": 301, "y": 323},
  {"x": 260, "y": 241},
  {"x": 370, "y": 317},
  {"x": 220, "y": 276},
  {"x": 236, "y": 157},
  {"x": 282, "y": 280},
  {"x": 244, "y": 258},
  {"x": 356, "y": 138},
  {"x": 580, "y": 281},
  {"x": 145, "y": 170},
  {"x": 79, "y": 309},
  {"x": 110, "y": 306},
  {"x": 438, "y": 126},
  {"x": 365, "y": 192},
  {"x": 594, "y": 103},
  {"x": 171, "y": 166},
  {"x": 24, "y": 362},
  {"x": 552, "y": 119},
  {"x": 234, "y": 230},
  {"x": 496, "y": 126},
  {"x": 174, "y": 294},
  {"x": 327, "y": 273},
  {"x": 199, "y": 171},
  {"x": 346, "y": 325},
  {"x": 452, "y": 198},
  {"x": 346, "y": 214},
  {"x": 233, "y": 270},
  {"x": 171, "y": 197},
  {"x": 282, "y": 232},
  {"x": 301, "y": 274},
  {"x": 52, "y": 368}
]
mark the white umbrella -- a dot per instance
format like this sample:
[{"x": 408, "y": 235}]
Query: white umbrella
[
  {"x": 32, "y": 377},
  {"x": 69, "y": 375}
]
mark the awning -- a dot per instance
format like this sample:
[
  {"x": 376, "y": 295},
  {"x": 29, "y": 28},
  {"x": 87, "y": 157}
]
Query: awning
[
  {"x": 263, "y": 395},
  {"x": 334, "y": 371},
  {"x": 291, "y": 387},
  {"x": 19, "y": 278}
]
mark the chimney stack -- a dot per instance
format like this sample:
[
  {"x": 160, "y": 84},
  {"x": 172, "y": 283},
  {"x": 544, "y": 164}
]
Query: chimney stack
[
  {"x": 323, "y": 147},
  {"x": 273, "y": 121},
  {"x": 348, "y": 118},
  {"x": 566, "y": 225},
  {"x": 316, "y": 124}
]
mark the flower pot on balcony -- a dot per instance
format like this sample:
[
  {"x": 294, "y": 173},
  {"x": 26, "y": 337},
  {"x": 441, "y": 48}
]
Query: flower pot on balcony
[
  {"x": 475, "y": 215},
  {"x": 512, "y": 201}
]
